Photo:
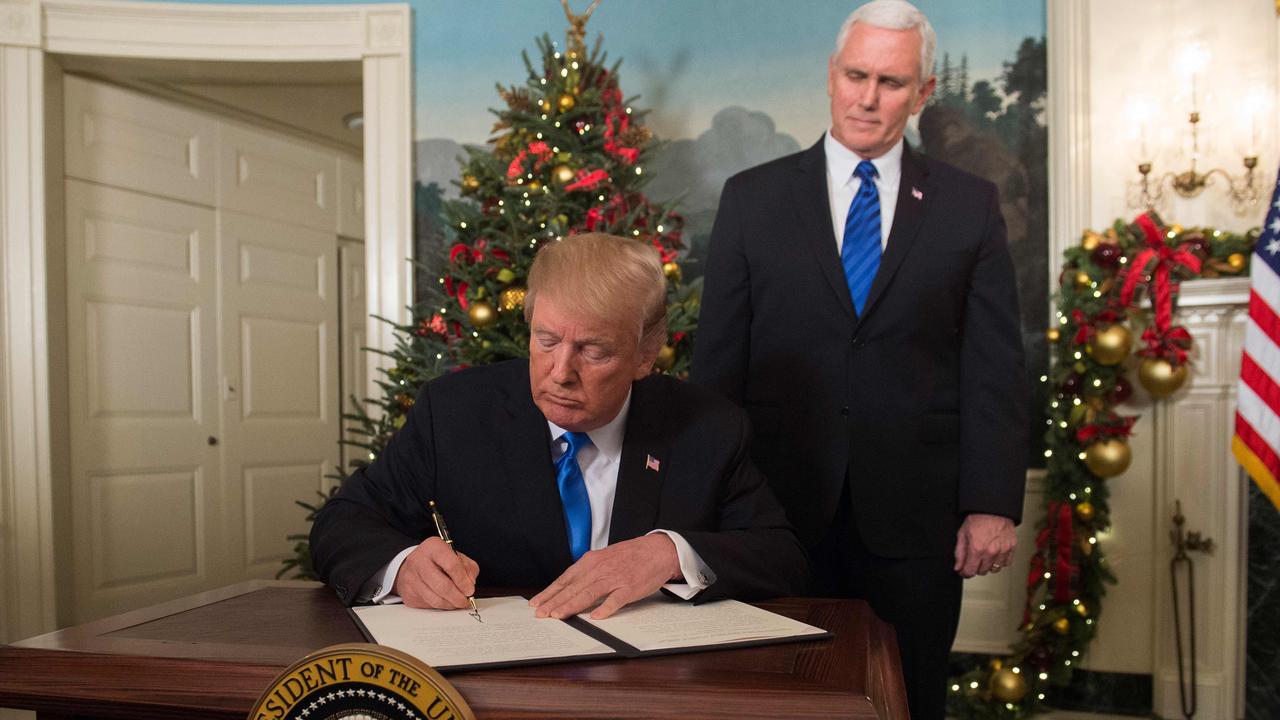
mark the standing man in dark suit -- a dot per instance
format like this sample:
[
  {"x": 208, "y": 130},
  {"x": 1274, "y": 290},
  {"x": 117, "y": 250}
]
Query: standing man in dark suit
[
  {"x": 860, "y": 303},
  {"x": 577, "y": 471}
]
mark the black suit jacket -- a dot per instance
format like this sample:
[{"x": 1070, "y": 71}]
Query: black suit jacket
[
  {"x": 921, "y": 401},
  {"x": 476, "y": 444}
]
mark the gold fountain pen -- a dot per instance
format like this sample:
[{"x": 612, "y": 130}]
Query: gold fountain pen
[{"x": 443, "y": 531}]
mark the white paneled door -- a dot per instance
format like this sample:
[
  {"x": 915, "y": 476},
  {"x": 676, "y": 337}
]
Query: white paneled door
[
  {"x": 203, "y": 345},
  {"x": 280, "y": 350},
  {"x": 142, "y": 346}
]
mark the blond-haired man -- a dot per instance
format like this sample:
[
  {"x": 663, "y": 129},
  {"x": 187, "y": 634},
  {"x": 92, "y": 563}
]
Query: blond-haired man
[{"x": 579, "y": 472}]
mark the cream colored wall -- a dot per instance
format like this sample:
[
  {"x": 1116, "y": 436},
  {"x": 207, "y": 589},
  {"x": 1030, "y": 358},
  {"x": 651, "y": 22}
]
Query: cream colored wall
[{"x": 1131, "y": 54}]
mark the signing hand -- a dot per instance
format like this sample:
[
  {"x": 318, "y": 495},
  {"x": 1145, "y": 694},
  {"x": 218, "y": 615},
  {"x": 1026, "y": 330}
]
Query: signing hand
[
  {"x": 984, "y": 544},
  {"x": 621, "y": 574},
  {"x": 433, "y": 576}
]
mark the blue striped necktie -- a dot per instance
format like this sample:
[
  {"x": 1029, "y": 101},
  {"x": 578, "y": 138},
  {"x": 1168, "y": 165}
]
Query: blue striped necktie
[
  {"x": 860, "y": 252},
  {"x": 573, "y": 494}
]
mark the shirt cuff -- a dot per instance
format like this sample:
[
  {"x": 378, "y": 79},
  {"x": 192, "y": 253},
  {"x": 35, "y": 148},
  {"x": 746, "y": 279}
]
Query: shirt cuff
[
  {"x": 698, "y": 576},
  {"x": 378, "y": 589}
]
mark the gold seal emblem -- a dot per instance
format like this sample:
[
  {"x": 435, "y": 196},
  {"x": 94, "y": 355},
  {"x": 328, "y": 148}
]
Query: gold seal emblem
[{"x": 359, "y": 681}]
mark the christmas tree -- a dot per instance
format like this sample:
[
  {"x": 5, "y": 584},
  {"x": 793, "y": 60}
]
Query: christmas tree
[{"x": 567, "y": 156}]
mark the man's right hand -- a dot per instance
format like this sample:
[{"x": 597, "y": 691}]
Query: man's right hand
[{"x": 434, "y": 576}]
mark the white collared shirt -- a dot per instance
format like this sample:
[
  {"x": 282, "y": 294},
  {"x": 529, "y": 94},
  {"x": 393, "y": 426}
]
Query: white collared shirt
[
  {"x": 842, "y": 185},
  {"x": 600, "y": 462}
]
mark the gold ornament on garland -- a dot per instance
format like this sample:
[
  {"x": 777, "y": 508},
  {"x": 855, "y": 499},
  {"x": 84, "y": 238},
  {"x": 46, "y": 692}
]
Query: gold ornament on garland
[
  {"x": 671, "y": 270},
  {"x": 545, "y": 105},
  {"x": 666, "y": 358},
  {"x": 511, "y": 298},
  {"x": 562, "y": 174},
  {"x": 1062, "y": 626},
  {"x": 1053, "y": 335},
  {"x": 1007, "y": 685},
  {"x": 1160, "y": 377},
  {"x": 1082, "y": 279},
  {"x": 1108, "y": 458},
  {"x": 1236, "y": 261},
  {"x": 533, "y": 186},
  {"x": 1082, "y": 610},
  {"x": 565, "y": 103},
  {"x": 469, "y": 183},
  {"x": 1090, "y": 241},
  {"x": 481, "y": 315},
  {"x": 1110, "y": 345},
  {"x": 1084, "y": 511}
]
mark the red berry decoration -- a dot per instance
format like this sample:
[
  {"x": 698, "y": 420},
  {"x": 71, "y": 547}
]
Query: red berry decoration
[{"x": 1071, "y": 385}]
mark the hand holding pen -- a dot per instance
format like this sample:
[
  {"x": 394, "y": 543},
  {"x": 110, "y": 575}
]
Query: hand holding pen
[
  {"x": 443, "y": 531},
  {"x": 436, "y": 576}
]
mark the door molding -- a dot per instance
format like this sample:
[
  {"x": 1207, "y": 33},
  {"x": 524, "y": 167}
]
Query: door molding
[{"x": 379, "y": 36}]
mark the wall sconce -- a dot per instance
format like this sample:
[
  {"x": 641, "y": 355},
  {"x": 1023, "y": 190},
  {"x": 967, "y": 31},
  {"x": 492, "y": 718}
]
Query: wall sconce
[{"x": 1241, "y": 190}]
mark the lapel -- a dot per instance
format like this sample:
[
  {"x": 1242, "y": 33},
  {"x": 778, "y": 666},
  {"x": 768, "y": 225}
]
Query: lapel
[
  {"x": 814, "y": 209},
  {"x": 914, "y": 192},
  {"x": 636, "y": 500},
  {"x": 531, "y": 481}
]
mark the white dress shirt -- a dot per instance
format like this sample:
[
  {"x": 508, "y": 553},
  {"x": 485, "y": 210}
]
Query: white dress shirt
[
  {"x": 599, "y": 462},
  {"x": 842, "y": 185}
]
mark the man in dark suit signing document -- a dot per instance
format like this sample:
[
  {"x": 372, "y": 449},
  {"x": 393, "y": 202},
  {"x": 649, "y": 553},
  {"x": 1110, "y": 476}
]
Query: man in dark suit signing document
[
  {"x": 577, "y": 472},
  {"x": 860, "y": 303}
]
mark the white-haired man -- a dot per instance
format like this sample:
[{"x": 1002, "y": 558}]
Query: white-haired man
[
  {"x": 860, "y": 303},
  {"x": 578, "y": 473}
]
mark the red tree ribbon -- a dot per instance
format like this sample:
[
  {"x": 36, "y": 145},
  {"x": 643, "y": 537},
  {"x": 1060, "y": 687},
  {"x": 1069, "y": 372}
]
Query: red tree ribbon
[
  {"x": 587, "y": 180},
  {"x": 1062, "y": 568}
]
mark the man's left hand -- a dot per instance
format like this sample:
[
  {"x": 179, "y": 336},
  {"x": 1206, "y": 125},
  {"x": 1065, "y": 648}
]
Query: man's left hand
[
  {"x": 621, "y": 574},
  {"x": 984, "y": 544}
]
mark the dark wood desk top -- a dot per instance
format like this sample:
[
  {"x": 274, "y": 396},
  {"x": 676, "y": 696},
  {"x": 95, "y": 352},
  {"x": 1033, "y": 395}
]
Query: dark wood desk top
[{"x": 212, "y": 654}]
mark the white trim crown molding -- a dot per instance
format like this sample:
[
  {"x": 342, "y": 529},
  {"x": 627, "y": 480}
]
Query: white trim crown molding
[{"x": 20, "y": 23}]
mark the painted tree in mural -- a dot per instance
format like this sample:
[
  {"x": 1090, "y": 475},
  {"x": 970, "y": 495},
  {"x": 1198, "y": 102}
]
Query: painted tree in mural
[{"x": 567, "y": 156}]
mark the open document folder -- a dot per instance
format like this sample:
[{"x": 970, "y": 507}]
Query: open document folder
[{"x": 511, "y": 635}]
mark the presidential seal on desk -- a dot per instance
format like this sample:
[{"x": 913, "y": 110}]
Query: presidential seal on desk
[{"x": 360, "y": 681}]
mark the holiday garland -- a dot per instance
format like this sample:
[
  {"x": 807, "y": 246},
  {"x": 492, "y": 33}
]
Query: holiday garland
[
  {"x": 1101, "y": 285},
  {"x": 567, "y": 156}
]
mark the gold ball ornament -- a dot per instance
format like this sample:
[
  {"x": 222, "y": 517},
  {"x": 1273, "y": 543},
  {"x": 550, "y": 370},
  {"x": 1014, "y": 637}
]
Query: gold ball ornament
[
  {"x": 481, "y": 314},
  {"x": 666, "y": 358},
  {"x": 562, "y": 174},
  {"x": 1007, "y": 686},
  {"x": 672, "y": 271},
  {"x": 565, "y": 102},
  {"x": 1084, "y": 511},
  {"x": 1090, "y": 240},
  {"x": 1160, "y": 377},
  {"x": 1108, "y": 458},
  {"x": 996, "y": 663},
  {"x": 533, "y": 186},
  {"x": 545, "y": 105},
  {"x": 1053, "y": 335},
  {"x": 511, "y": 298},
  {"x": 1082, "y": 610},
  {"x": 470, "y": 182},
  {"x": 1111, "y": 344},
  {"x": 1236, "y": 261},
  {"x": 1062, "y": 626},
  {"x": 1082, "y": 279}
]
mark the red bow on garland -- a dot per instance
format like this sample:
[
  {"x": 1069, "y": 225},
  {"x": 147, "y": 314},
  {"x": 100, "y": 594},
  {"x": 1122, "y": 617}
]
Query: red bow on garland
[
  {"x": 1091, "y": 433},
  {"x": 1160, "y": 260}
]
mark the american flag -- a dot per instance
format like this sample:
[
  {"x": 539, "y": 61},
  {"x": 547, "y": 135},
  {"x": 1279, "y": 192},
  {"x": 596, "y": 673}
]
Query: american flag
[{"x": 1257, "y": 441}]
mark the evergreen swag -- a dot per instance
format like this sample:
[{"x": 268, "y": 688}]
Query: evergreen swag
[
  {"x": 1086, "y": 440},
  {"x": 567, "y": 156}
]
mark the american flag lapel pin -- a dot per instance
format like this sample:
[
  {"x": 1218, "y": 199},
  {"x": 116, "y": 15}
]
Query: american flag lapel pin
[
  {"x": 915, "y": 193},
  {"x": 651, "y": 463}
]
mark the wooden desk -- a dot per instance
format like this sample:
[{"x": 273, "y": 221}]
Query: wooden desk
[{"x": 211, "y": 655}]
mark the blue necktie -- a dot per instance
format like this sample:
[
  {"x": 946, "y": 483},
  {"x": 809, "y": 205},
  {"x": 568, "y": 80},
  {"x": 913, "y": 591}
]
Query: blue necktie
[
  {"x": 860, "y": 253},
  {"x": 573, "y": 494}
]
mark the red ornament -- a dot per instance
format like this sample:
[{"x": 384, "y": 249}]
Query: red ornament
[
  {"x": 1106, "y": 256},
  {"x": 1121, "y": 392},
  {"x": 1071, "y": 385}
]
